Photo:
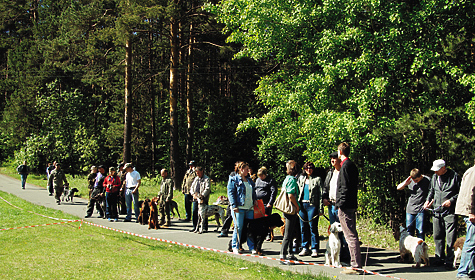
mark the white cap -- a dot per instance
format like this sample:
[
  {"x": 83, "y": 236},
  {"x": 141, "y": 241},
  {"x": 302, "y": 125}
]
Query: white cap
[{"x": 437, "y": 165}]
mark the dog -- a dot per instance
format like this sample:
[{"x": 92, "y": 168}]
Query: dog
[
  {"x": 205, "y": 211},
  {"x": 68, "y": 194},
  {"x": 144, "y": 212},
  {"x": 332, "y": 255},
  {"x": 258, "y": 229},
  {"x": 458, "y": 249},
  {"x": 222, "y": 200},
  {"x": 174, "y": 206},
  {"x": 415, "y": 246},
  {"x": 153, "y": 219}
]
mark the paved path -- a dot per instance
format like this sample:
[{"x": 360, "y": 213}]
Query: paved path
[{"x": 380, "y": 261}]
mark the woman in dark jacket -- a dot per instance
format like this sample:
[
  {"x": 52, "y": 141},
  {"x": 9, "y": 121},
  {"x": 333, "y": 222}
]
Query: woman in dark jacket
[{"x": 266, "y": 189}]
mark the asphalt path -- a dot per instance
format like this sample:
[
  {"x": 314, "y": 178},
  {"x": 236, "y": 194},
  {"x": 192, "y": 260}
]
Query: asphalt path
[{"x": 383, "y": 263}]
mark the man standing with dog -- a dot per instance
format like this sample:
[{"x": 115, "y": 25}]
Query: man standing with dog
[
  {"x": 132, "y": 184},
  {"x": 443, "y": 193},
  {"x": 200, "y": 190},
  {"x": 466, "y": 208},
  {"x": 166, "y": 195},
  {"x": 97, "y": 194},
  {"x": 190, "y": 176},
  {"x": 57, "y": 180},
  {"x": 347, "y": 203}
]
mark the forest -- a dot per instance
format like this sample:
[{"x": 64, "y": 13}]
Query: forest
[{"x": 161, "y": 82}]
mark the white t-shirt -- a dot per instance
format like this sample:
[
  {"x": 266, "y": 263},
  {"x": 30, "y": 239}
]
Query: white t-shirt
[
  {"x": 132, "y": 179},
  {"x": 333, "y": 185},
  {"x": 248, "y": 199}
]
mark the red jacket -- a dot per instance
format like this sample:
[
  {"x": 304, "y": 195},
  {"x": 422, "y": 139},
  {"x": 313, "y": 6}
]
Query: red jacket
[{"x": 112, "y": 184}]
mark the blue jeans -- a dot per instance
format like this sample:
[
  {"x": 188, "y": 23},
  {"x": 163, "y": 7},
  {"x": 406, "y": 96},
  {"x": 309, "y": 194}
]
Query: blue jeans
[
  {"x": 415, "y": 224},
  {"x": 238, "y": 219},
  {"x": 129, "y": 197},
  {"x": 468, "y": 252},
  {"x": 309, "y": 225},
  {"x": 23, "y": 180},
  {"x": 333, "y": 214}
]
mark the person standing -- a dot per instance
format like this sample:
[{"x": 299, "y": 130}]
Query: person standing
[
  {"x": 112, "y": 184},
  {"x": 200, "y": 190},
  {"x": 91, "y": 179},
  {"x": 330, "y": 186},
  {"x": 443, "y": 193},
  {"x": 347, "y": 203},
  {"x": 97, "y": 194},
  {"x": 57, "y": 181},
  {"x": 266, "y": 189},
  {"x": 50, "y": 169},
  {"x": 418, "y": 186},
  {"x": 122, "y": 173},
  {"x": 23, "y": 170},
  {"x": 190, "y": 176},
  {"x": 228, "y": 220},
  {"x": 310, "y": 187},
  {"x": 166, "y": 195},
  {"x": 242, "y": 198},
  {"x": 132, "y": 184},
  {"x": 465, "y": 207}
]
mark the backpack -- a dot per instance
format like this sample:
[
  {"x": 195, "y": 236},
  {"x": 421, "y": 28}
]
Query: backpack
[{"x": 22, "y": 169}]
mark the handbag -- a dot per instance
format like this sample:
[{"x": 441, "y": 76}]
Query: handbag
[
  {"x": 260, "y": 210},
  {"x": 283, "y": 203}
]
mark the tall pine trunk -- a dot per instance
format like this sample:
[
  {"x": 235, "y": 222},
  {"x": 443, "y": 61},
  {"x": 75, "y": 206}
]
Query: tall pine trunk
[
  {"x": 173, "y": 98},
  {"x": 128, "y": 102}
]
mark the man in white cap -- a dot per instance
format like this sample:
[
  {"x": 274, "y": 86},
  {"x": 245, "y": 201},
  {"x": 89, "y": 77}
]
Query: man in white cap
[{"x": 443, "y": 193}]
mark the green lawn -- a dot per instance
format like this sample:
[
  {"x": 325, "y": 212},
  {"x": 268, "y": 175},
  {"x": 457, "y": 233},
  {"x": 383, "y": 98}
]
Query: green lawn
[{"x": 68, "y": 252}]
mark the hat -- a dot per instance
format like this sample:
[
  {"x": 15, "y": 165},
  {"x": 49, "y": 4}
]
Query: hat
[
  {"x": 437, "y": 165},
  {"x": 192, "y": 163},
  {"x": 93, "y": 167},
  {"x": 334, "y": 155},
  {"x": 101, "y": 166},
  {"x": 127, "y": 165}
]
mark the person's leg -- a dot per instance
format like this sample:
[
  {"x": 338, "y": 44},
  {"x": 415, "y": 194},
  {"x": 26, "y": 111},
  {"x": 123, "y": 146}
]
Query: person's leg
[
  {"x": 195, "y": 214},
  {"x": 348, "y": 223},
  {"x": 57, "y": 193},
  {"x": 128, "y": 203},
  {"x": 238, "y": 218},
  {"x": 108, "y": 205},
  {"x": 439, "y": 238},
  {"x": 113, "y": 206},
  {"x": 205, "y": 225},
  {"x": 136, "y": 205},
  {"x": 188, "y": 199},
  {"x": 420, "y": 225},
  {"x": 451, "y": 236},
  {"x": 411, "y": 224},
  {"x": 23, "y": 180},
  {"x": 468, "y": 252},
  {"x": 313, "y": 225},
  {"x": 90, "y": 207},
  {"x": 304, "y": 227},
  {"x": 167, "y": 213},
  {"x": 249, "y": 214},
  {"x": 161, "y": 211}
]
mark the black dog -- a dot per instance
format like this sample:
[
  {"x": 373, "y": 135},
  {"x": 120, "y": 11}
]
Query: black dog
[
  {"x": 71, "y": 194},
  {"x": 258, "y": 229},
  {"x": 174, "y": 206}
]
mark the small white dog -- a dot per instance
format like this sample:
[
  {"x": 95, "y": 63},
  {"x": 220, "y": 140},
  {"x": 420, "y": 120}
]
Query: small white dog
[
  {"x": 415, "y": 246},
  {"x": 332, "y": 255}
]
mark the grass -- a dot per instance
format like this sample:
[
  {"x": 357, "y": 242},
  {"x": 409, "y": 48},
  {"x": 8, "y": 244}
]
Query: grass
[{"x": 68, "y": 252}]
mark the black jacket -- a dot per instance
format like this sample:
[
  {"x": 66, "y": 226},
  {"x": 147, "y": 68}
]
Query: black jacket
[
  {"x": 448, "y": 191},
  {"x": 347, "y": 191}
]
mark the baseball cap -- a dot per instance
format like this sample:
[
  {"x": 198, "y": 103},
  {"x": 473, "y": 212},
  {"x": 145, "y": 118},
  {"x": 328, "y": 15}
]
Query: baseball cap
[{"x": 437, "y": 165}]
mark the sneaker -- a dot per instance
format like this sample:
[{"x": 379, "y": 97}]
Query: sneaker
[
  {"x": 109, "y": 219},
  {"x": 292, "y": 258},
  {"x": 284, "y": 261},
  {"x": 236, "y": 251},
  {"x": 127, "y": 220},
  {"x": 351, "y": 271},
  {"x": 304, "y": 252},
  {"x": 116, "y": 220},
  {"x": 87, "y": 216},
  {"x": 222, "y": 234},
  {"x": 254, "y": 252},
  {"x": 314, "y": 253}
]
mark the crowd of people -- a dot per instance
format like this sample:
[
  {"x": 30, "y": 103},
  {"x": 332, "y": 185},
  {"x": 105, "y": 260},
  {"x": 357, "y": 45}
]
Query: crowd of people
[{"x": 446, "y": 195}]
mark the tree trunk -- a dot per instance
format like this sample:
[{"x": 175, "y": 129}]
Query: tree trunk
[
  {"x": 152, "y": 104},
  {"x": 128, "y": 102},
  {"x": 189, "y": 99},
  {"x": 173, "y": 98}
]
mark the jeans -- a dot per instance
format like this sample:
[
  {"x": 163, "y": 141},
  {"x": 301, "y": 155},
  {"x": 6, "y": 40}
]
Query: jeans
[
  {"x": 239, "y": 223},
  {"x": 468, "y": 252},
  {"x": 415, "y": 224},
  {"x": 129, "y": 197},
  {"x": 309, "y": 225},
  {"x": 333, "y": 214},
  {"x": 23, "y": 180}
]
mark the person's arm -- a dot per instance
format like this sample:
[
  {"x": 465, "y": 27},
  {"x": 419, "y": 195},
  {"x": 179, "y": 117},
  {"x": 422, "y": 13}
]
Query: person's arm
[
  {"x": 170, "y": 191},
  {"x": 404, "y": 184},
  {"x": 430, "y": 196},
  {"x": 293, "y": 199},
  {"x": 137, "y": 186},
  {"x": 273, "y": 192},
  {"x": 205, "y": 188}
]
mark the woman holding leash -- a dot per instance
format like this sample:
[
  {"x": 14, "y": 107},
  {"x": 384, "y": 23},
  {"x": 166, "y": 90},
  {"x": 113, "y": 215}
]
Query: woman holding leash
[
  {"x": 310, "y": 187},
  {"x": 242, "y": 198},
  {"x": 266, "y": 189},
  {"x": 292, "y": 190}
]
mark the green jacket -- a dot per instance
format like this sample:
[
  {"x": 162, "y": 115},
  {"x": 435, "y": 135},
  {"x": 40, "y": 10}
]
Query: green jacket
[
  {"x": 166, "y": 189},
  {"x": 190, "y": 176},
  {"x": 57, "y": 178}
]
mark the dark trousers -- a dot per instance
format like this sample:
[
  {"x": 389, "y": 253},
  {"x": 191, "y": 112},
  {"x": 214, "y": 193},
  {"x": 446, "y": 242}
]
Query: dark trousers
[
  {"x": 111, "y": 205},
  {"x": 291, "y": 222},
  {"x": 188, "y": 202},
  {"x": 121, "y": 203},
  {"x": 93, "y": 201},
  {"x": 195, "y": 217},
  {"x": 348, "y": 223},
  {"x": 445, "y": 234}
]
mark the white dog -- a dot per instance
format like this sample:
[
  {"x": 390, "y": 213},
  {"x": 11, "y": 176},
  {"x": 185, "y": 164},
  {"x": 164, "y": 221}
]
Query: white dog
[
  {"x": 415, "y": 246},
  {"x": 458, "y": 246},
  {"x": 204, "y": 211},
  {"x": 332, "y": 255}
]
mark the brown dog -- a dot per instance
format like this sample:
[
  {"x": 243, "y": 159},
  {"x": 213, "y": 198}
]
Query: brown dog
[
  {"x": 144, "y": 212},
  {"x": 458, "y": 246},
  {"x": 153, "y": 220}
]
